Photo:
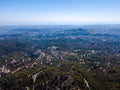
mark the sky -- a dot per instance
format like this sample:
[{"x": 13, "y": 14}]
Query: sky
[{"x": 59, "y": 12}]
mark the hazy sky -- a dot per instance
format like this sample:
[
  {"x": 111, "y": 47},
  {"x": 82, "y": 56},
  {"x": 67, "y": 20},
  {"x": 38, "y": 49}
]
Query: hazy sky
[{"x": 59, "y": 12}]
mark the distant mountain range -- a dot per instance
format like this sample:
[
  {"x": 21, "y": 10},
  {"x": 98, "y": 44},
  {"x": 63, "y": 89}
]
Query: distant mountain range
[{"x": 94, "y": 29}]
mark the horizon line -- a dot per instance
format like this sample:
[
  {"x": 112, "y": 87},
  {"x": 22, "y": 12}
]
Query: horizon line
[{"x": 56, "y": 24}]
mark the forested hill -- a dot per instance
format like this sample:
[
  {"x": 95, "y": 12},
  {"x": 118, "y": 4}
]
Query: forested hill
[{"x": 60, "y": 58}]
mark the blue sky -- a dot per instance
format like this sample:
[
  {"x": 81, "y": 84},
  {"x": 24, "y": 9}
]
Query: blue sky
[{"x": 52, "y": 12}]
